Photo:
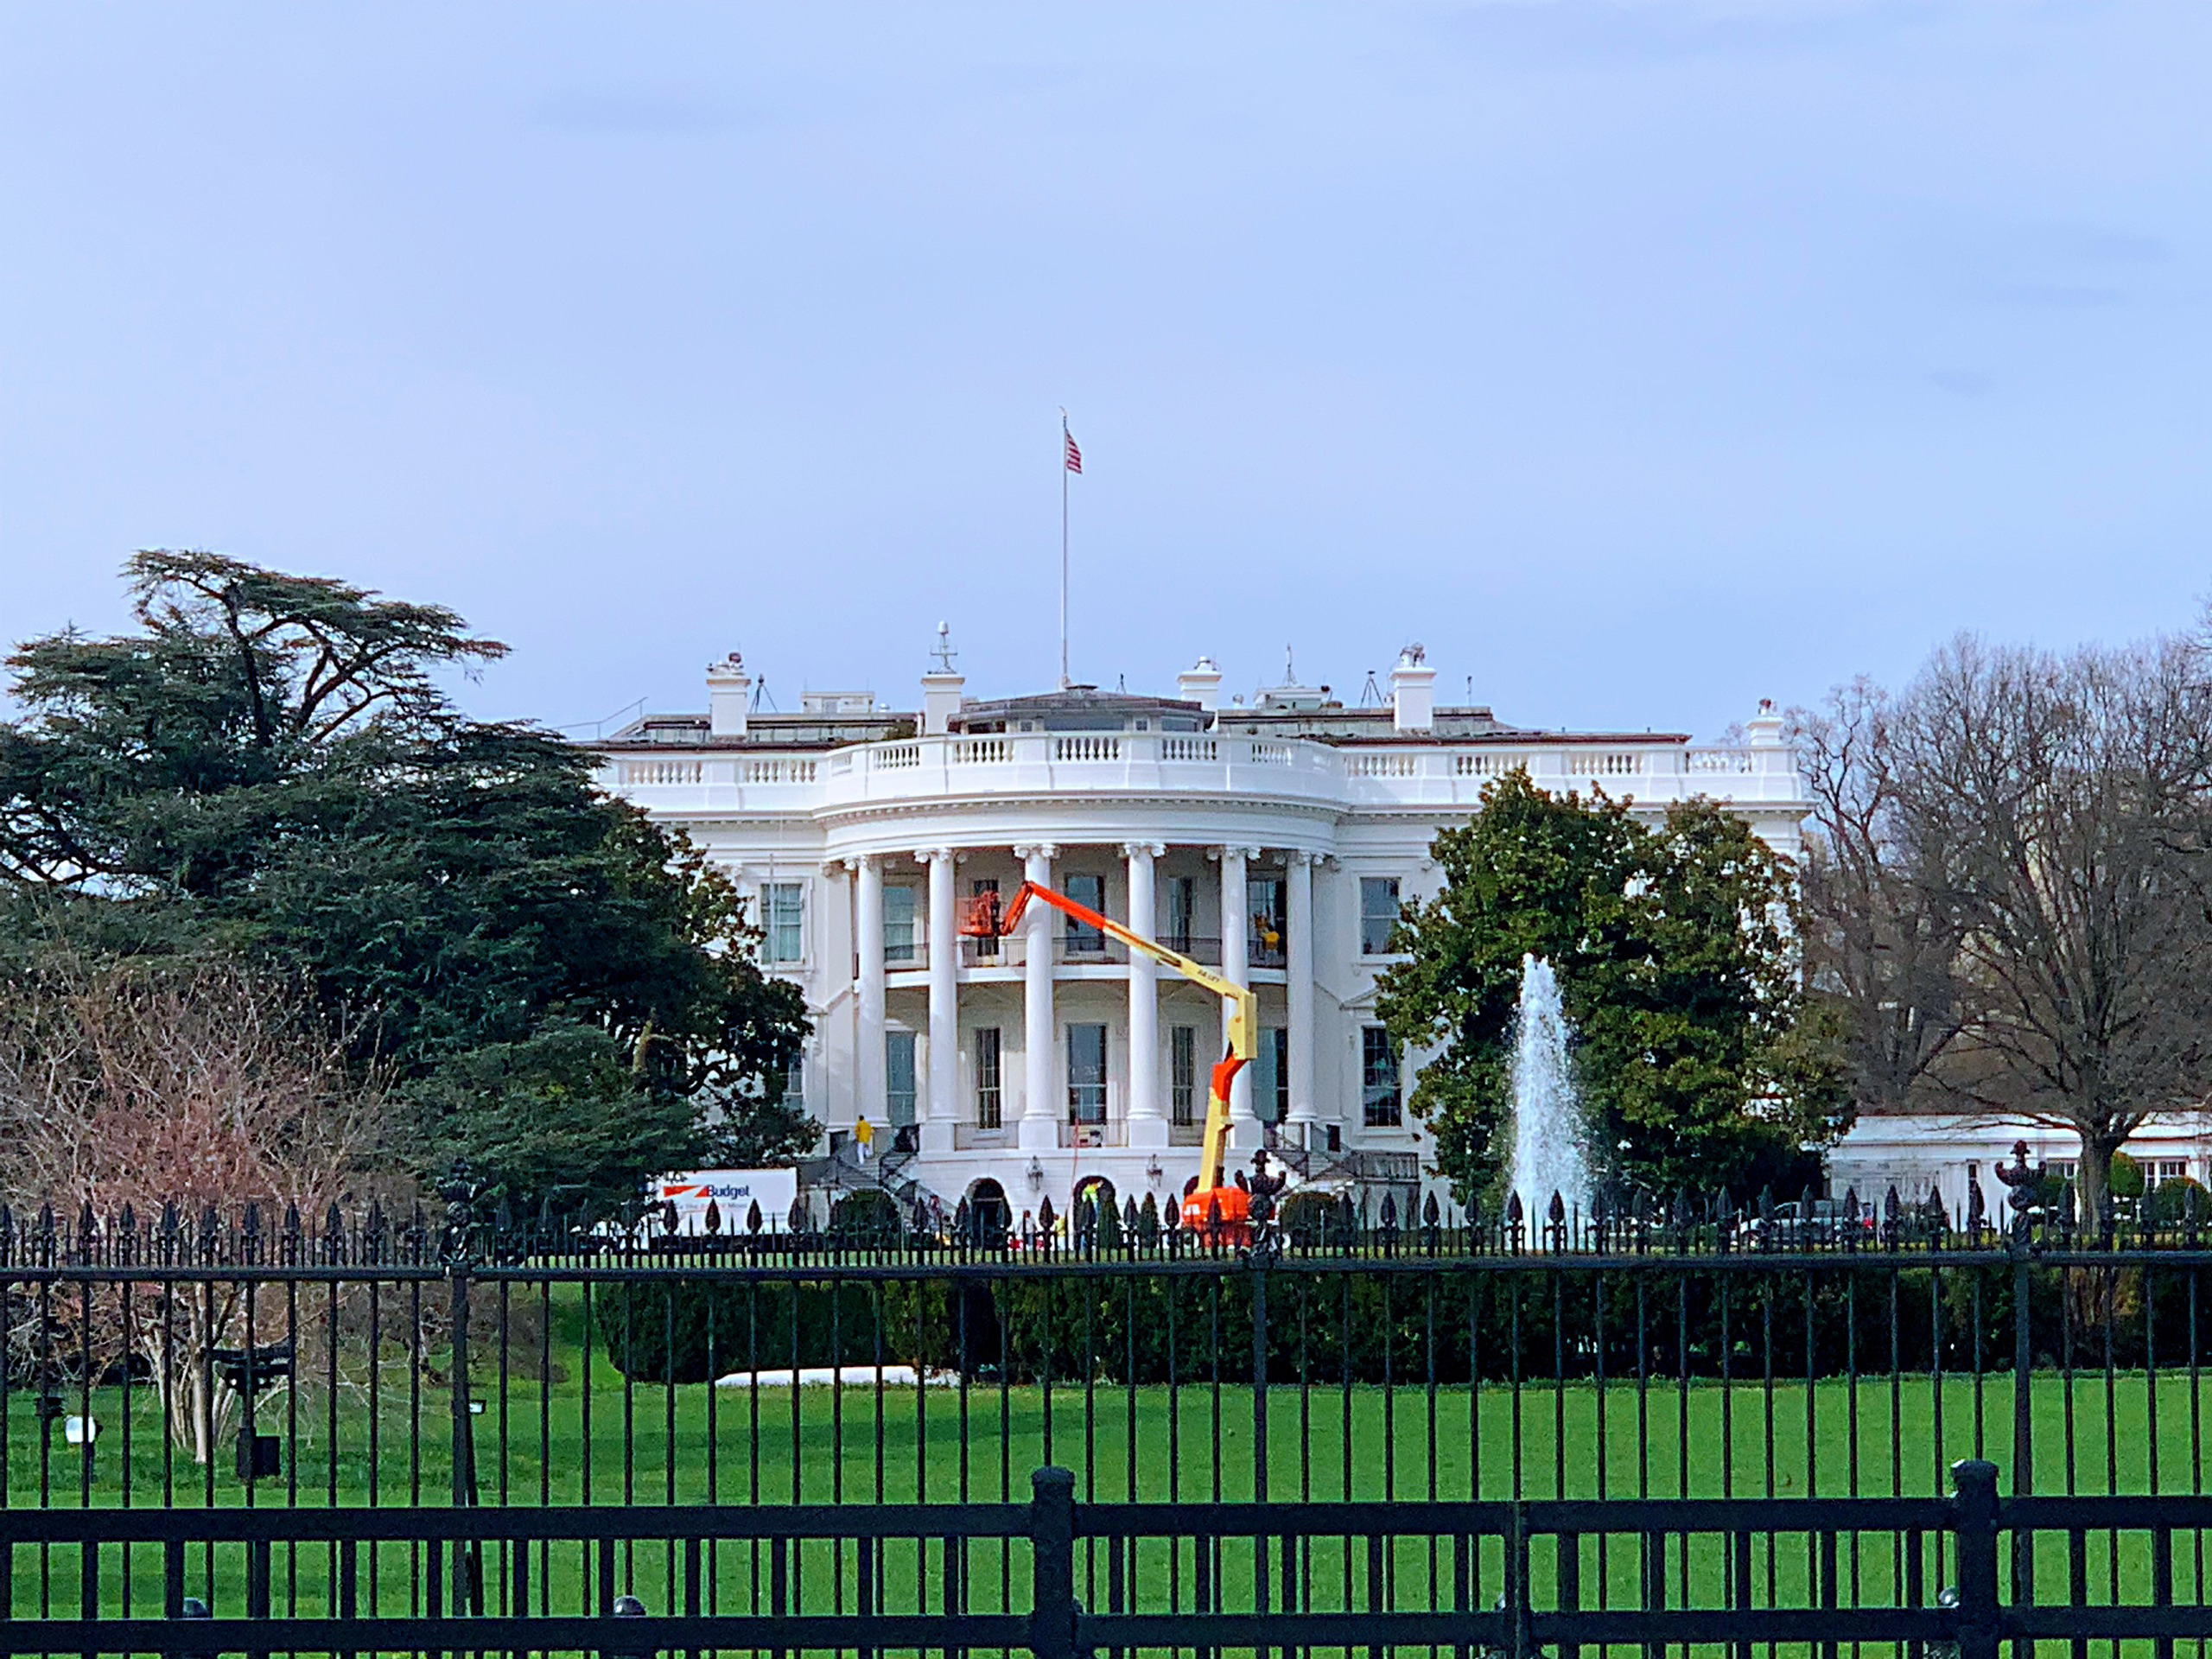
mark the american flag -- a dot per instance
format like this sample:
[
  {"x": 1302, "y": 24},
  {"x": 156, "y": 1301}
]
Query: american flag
[{"x": 1075, "y": 454}]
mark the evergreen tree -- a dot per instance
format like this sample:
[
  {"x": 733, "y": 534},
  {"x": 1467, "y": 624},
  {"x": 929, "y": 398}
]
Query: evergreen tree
[
  {"x": 1697, "y": 1058},
  {"x": 565, "y": 995}
]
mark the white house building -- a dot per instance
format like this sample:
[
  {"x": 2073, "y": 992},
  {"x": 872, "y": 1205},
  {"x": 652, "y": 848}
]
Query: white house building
[{"x": 1275, "y": 838}]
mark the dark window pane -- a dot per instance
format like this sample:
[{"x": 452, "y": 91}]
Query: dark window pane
[
  {"x": 1378, "y": 914},
  {"x": 1090, "y": 892},
  {"x": 1183, "y": 1073},
  {"x": 1086, "y": 1074},
  {"x": 1378, "y": 1080}
]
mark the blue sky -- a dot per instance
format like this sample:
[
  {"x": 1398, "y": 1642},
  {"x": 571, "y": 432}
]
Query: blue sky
[{"x": 1642, "y": 357}]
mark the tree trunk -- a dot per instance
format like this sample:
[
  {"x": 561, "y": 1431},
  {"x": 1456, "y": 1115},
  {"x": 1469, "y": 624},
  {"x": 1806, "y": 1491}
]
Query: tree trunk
[{"x": 2099, "y": 1147}]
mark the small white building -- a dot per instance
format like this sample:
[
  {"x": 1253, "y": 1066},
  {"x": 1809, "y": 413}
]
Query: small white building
[
  {"x": 1951, "y": 1153},
  {"x": 1275, "y": 838}
]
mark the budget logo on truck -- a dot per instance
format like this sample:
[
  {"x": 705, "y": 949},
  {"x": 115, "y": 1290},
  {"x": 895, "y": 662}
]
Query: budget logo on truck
[{"x": 735, "y": 1191}]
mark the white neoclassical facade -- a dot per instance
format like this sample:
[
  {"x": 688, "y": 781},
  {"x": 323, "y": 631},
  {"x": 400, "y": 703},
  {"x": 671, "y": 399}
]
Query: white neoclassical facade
[{"x": 1275, "y": 838}]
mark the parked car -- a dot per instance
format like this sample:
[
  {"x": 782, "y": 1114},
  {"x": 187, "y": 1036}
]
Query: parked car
[{"x": 1827, "y": 1221}]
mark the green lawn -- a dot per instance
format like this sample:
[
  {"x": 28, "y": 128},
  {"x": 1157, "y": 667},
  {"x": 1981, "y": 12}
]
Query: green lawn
[
  {"x": 591, "y": 1437},
  {"x": 609, "y": 1443}
]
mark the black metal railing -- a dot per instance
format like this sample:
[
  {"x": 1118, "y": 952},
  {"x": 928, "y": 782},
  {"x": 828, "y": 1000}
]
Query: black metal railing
[
  {"x": 453, "y": 1360},
  {"x": 1059, "y": 1577}
]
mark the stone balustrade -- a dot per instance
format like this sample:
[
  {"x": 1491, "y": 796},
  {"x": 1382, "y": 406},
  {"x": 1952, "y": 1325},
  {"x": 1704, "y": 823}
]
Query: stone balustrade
[{"x": 1442, "y": 775}]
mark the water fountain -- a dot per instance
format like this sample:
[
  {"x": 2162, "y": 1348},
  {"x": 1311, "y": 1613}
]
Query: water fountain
[{"x": 1548, "y": 1154}]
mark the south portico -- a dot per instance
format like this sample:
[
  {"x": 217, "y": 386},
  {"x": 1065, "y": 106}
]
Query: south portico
[{"x": 1108, "y": 1075}]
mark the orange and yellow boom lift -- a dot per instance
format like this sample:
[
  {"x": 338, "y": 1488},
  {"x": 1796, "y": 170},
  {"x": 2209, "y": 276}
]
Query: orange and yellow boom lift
[{"x": 1213, "y": 1207}]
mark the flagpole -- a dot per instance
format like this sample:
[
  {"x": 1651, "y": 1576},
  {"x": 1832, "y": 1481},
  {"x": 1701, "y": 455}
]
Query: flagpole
[{"x": 1065, "y": 438}]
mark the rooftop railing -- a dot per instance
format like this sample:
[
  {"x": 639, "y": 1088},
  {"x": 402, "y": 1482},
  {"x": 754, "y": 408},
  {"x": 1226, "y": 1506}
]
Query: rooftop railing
[{"x": 1445, "y": 774}]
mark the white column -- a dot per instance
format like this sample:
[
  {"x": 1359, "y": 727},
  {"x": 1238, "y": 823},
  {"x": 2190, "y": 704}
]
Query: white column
[
  {"x": 940, "y": 1105},
  {"x": 1147, "y": 1124},
  {"x": 1297, "y": 878},
  {"x": 1040, "y": 1111},
  {"x": 868, "y": 1005},
  {"x": 1235, "y": 966}
]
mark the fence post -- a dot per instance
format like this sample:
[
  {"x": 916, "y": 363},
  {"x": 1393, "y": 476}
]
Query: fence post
[
  {"x": 191, "y": 1608},
  {"x": 456, "y": 1248},
  {"x": 1051, "y": 1573},
  {"x": 1973, "y": 1512},
  {"x": 2023, "y": 1451}
]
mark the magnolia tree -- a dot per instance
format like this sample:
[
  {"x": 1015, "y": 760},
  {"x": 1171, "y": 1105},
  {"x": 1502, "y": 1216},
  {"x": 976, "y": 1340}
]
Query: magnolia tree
[{"x": 200, "y": 1086}]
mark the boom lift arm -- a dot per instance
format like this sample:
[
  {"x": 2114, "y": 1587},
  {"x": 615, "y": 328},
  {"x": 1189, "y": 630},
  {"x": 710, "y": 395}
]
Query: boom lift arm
[{"x": 986, "y": 920}]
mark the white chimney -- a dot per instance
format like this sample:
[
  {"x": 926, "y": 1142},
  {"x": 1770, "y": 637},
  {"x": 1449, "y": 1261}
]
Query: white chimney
[
  {"x": 1200, "y": 683},
  {"x": 941, "y": 700},
  {"x": 1765, "y": 730},
  {"x": 1412, "y": 692},
  {"x": 729, "y": 695},
  {"x": 941, "y": 687}
]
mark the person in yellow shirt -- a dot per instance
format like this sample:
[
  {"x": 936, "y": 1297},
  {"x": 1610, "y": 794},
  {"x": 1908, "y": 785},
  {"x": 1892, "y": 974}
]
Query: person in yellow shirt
[{"x": 864, "y": 1138}]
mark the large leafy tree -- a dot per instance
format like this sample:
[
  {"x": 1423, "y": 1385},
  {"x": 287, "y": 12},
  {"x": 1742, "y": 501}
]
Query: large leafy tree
[
  {"x": 566, "y": 996},
  {"x": 1697, "y": 1060}
]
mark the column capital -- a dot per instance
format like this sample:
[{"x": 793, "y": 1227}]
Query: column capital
[
  {"x": 1027, "y": 850},
  {"x": 930, "y": 854},
  {"x": 834, "y": 867},
  {"x": 858, "y": 862},
  {"x": 1299, "y": 855},
  {"x": 1248, "y": 854},
  {"x": 1144, "y": 849}
]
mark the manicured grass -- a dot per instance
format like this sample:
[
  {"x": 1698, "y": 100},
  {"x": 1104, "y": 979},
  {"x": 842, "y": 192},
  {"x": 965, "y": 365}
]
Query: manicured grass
[{"x": 591, "y": 1437}]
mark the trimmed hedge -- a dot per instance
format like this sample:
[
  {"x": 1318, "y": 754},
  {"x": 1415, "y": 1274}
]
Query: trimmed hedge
[{"x": 1452, "y": 1323}]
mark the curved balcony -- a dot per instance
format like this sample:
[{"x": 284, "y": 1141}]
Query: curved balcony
[{"x": 1028, "y": 766}]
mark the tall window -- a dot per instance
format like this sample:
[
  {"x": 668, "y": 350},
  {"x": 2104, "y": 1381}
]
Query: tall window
[
  {"x": 1182, "y": 912},
  {"x": 1263, "y": 907},
  {"x": 899, "y": 924},
  {"x": 898, "y": 1077},
  {"x": 1183, "y": 1073},
  {"x": 1271, "y": 1083},
  {"x": 984, "y": 886},
  {"x": 795, "y": 1081},
  {"x": 783, "y": 919},
  {"x": 1378, "y": 914},
  {"x": 1378, "y": 1079},
  {"x": 990, "y": 1080},
  {"x": 1090, "y": 891},
  {"x": 1086, "y": 1074}
]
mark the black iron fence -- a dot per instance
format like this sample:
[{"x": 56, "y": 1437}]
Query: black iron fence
[
  {"x": 269, "y": 1417},
  {"x": 1058, "y": 1577}
]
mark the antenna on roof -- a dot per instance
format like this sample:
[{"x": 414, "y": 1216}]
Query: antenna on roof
[
  {"x": 1371, "y": 694},
  {"x": 945, "y": 654},
  {"x": 760, "y": 695},
  {"x": 1289, "y": 668}
]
